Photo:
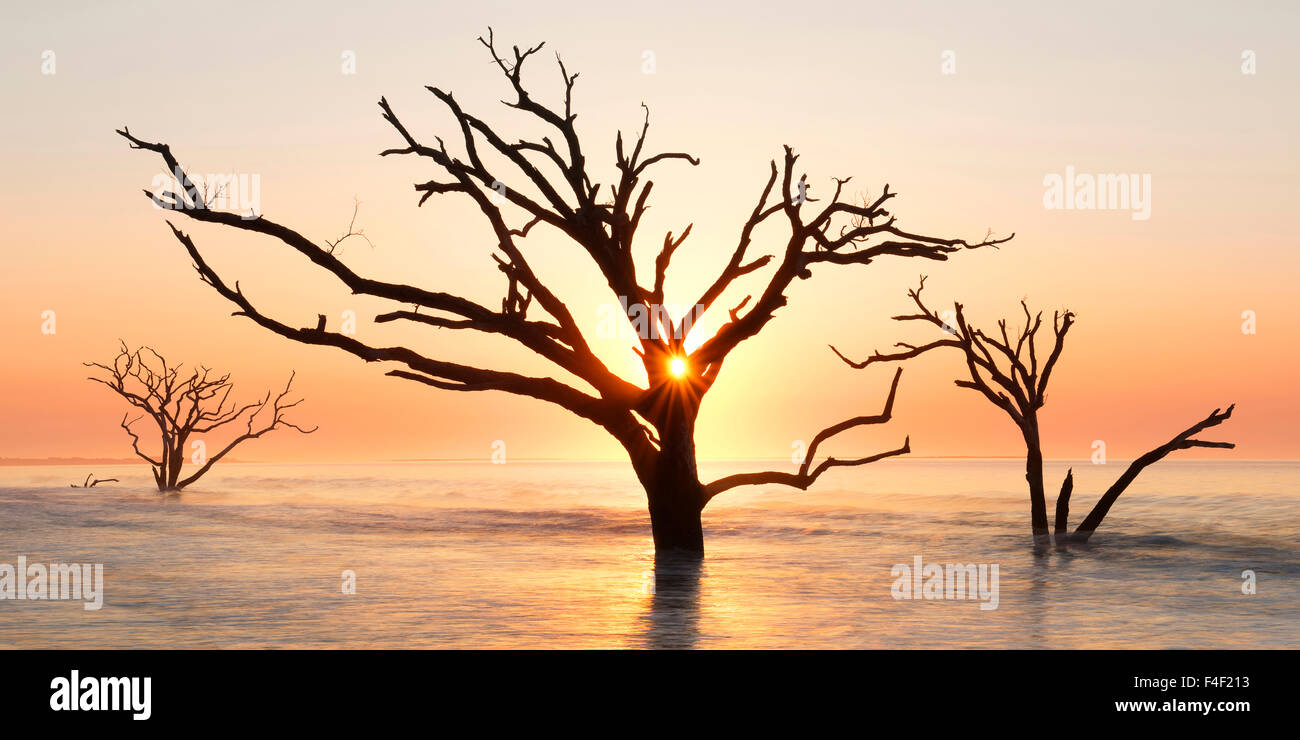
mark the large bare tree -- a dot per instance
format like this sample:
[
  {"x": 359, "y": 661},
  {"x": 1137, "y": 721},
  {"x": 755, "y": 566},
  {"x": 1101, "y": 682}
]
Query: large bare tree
[
  {"x": 1004, "y": 367},
  {"x": 183, "y": 406},
  {"x": 520, "y": 185}
]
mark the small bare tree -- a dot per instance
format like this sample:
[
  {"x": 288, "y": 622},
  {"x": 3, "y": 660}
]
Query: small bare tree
[
  {"x": 1004, "y": 368},
  {"x": 184, "y": 405}
]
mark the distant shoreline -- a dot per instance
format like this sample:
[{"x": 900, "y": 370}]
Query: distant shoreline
[{"x": 33, "y": 462}]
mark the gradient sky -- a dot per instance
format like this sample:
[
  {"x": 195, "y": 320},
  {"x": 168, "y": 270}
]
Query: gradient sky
[{"x": 857, "y": 89}]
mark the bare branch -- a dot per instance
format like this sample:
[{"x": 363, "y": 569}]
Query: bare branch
[
  {"x": 1184, "y": 440},
  {"x": 91, "y": 481},
  {"x": 807, "y": 474}
]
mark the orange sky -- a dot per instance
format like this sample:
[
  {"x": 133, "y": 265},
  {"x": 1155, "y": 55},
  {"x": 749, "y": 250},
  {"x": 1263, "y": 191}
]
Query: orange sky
[{"x": 1113, "y": 87}]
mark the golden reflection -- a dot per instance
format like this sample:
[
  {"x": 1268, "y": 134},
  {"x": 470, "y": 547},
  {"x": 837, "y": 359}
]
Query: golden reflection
[{"x": 672, "y": 617}]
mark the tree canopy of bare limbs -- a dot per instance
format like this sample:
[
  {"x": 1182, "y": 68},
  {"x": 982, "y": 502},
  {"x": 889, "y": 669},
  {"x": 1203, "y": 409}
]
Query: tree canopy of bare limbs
[
  {"x": 183, "y": 406},
  {"x": 1005, "y": 368},
  {"x": 520, "y": 185}
]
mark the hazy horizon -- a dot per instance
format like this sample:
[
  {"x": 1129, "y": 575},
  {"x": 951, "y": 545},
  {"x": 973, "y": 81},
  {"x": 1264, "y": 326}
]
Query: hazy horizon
[{"x": 68, "y": 461}]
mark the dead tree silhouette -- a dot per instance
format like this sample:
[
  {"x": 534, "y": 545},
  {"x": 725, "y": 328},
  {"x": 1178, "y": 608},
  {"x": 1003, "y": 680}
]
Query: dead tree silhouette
[
  {"x": 182, "y": 406},
  {"x": 547, "y": 184},
  {"x": 91, "y": 481},
  {"x": 1004, "y": 368}
]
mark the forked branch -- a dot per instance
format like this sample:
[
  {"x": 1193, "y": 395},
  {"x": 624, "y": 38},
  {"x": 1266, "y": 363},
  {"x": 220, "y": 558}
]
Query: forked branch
[
  {"x": 91, "y": 481},
  {"x": 807, "y": 473},
  {"x": 1184, "y": 440}
]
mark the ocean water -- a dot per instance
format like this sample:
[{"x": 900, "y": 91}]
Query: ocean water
[{"x": 558, "y": 555}]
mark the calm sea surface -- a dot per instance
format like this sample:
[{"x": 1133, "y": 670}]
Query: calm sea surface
[{"x": 537, "y": 554}]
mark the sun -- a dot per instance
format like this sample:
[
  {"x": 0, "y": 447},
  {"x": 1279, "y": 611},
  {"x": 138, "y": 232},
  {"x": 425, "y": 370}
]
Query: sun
[{"x": 677, "y": 367}]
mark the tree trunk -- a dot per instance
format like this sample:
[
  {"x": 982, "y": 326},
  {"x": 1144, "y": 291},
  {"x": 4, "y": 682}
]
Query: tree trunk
[
  {"x": 675, "y": 495},
  {"x": 1034, "y": 476},
  {"x": 172, "y": 467},
  {"x": 1061, "y": 531},
  {"x": 174, "y": 470}
]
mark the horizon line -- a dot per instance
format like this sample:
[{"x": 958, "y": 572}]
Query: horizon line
[{"x": 19, "y": 462}]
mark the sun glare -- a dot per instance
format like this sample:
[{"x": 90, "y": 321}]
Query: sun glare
[{"x": 677, "y": 367}]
